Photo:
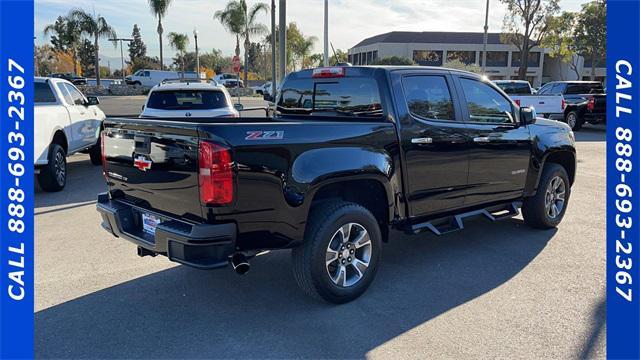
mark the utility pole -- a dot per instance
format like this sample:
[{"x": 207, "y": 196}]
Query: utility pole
[
  {"x": 273, "y": 49},
  {"x": 326, "y": 33},
  {"x": 195, "y": 36},
  {"x": 283, "y": 39},
  {"x": 484, "y": 43},
  {"x": 121, "y": 54},
  {"x": 35, "y": 57}
]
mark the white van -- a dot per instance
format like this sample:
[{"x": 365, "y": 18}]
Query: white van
[{"x": 151, "y": 78}]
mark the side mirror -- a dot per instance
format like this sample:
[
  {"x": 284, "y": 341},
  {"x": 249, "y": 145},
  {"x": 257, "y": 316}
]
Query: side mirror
[
  {"x": 528, "y": 115},
  {"x": 142, "y": 107},
  {"x": 92, "y": 100},
  {"x": 267, "y": 97},
  {"x": 238, "y": 107}
]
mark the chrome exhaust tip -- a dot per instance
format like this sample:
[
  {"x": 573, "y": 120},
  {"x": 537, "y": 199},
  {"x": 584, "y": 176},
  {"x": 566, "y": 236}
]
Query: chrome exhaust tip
[{"x": 240, "y": 264}]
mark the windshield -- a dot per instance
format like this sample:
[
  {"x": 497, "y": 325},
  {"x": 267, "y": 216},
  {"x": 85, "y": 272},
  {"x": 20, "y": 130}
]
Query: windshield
[
  {"x": 515, "y": 88},
  {"x": 187, "y": 100}
]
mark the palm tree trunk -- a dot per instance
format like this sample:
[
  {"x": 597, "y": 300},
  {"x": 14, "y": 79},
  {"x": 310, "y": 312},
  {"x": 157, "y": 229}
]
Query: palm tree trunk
[
  {"x": 74, "y": 54},
  {"x": 160, "y": 30},
  {"x": 247, "y": 44},
  {"x": 97, "y": 61}
]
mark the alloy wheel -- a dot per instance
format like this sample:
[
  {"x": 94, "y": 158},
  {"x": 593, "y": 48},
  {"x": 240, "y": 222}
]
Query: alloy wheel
[
  {"x": 348, "y": 254},
  {"x": 554, "y": 200}
]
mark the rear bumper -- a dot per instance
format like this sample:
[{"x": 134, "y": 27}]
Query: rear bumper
[
  {"x": 556, "y": 116},
  {"x": 201, "y": 246},
  {"x": 595, "y": 118}
]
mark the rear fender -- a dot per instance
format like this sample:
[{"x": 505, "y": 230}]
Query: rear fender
[{"x": 317, "y": 168}]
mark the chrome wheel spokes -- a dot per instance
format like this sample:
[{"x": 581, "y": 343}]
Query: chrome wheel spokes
[
  {"x": 348, "y": 254},
  {"x": 555, "y": 196}
]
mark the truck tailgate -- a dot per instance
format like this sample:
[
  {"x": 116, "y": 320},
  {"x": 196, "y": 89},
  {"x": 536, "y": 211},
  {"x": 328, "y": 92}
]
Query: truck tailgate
[{"x": 154, "y": 164}]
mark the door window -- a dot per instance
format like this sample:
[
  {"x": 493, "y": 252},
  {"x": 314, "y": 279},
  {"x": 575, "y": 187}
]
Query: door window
[
  {"x": 147, "y": 74},
  {"x": 485, "y": 104},
  {"x": 77, "y": 97},
  {"x": 428, "y": 97}
]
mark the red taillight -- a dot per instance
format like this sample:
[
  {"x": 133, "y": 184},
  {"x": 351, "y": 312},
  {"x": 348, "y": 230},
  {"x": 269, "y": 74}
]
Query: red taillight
[
  {"x": 517, "y": 102},
  {"x": 216, "y": 174},
  {"x": 332, "y": 72},
  {"x": 591, "y": 104},
  {"x": 564, "y": 104}
]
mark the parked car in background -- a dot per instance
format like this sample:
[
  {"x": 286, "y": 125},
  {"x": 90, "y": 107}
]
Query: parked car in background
[
  {"x": 71, "y": 77},
  {"x": 520, "y": 91},
  {"x": 151, "y": 78},
  {"x": 264, "y": 89},
  {"x": 229, "y": 80},
  {"x": 352, "y": 153},
  {"x": 66, "y": 122},
  {"x": 586, "y": 101},
  {"x": 189, "y": 100}
]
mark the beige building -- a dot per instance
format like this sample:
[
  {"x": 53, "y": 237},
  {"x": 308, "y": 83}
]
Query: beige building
[{"x": 436, "y": 48}]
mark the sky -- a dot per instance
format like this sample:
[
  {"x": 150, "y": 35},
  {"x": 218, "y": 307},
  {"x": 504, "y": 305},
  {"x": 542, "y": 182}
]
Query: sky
[{"x": 350, "y": 21}]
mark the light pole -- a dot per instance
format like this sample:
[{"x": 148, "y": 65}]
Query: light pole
[
  {"x": 484, "y": 42},
  {"x": 283, "y": 39},
  {"x": 195, "y": 36},
  {"x": 326, "y": 32},
  {"x": 121, "y": 54},
  {"x": 273, "y": 49}
]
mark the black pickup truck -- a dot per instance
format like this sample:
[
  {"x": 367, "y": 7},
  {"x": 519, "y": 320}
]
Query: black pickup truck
[
  {"x": 586, "y": 101},
  {"x": 351, "y": 153}
]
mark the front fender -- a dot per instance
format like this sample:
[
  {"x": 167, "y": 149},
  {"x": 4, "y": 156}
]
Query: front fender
[{"x": 549, "y": 138}]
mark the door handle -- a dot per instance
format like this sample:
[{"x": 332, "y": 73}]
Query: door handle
[
  {"x": 422, "y": 141},
  {"x": 482, "y": 140}
]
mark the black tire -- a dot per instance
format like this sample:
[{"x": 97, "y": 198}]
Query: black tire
[
  {"x": 50, "y": 177},
  {"x": 534, "y": 210},
  {"x": 95, "y": 153},
  {"x": 310, "y": 267},
  {"x": 573, "y": 119}
]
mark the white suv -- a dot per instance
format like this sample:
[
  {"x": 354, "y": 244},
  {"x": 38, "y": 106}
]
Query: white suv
[{"x": 189, "y": 99}]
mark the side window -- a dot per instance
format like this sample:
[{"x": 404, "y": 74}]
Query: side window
[
  {"x": 486, "y": 105},
  {"x": 76, "y": 96},
  {"x": 42, "y": 93},
  {"x": 65, "y": 93},
  {"x": 147, "y": 74},
  {"x": 545, "y": 89},
  {"x": 428, "y": 97},
  {"x": 558, "y": 89}
]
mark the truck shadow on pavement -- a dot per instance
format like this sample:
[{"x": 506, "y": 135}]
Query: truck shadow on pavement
[
  {"x": 84, "y": 183},
  {"x": 186, "y": 313}
]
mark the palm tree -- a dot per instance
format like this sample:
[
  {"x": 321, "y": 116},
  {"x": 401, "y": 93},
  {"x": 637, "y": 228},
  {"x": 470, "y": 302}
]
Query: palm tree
[
  {"x": 159, "y": 8},
  {"x": 96, "y": 26},
  {"x": 179, "y": 42},
  {"x": 241, "y": 21},
  {"x": 66, "y": 37},
  {"x": 304, "y": 50}
]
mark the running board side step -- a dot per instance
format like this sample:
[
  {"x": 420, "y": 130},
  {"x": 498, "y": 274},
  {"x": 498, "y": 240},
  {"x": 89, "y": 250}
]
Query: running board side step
[{"x": 449, "y": 224}]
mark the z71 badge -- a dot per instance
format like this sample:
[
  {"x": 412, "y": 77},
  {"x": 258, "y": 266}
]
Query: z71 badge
[{"x": 264, "y": 135}]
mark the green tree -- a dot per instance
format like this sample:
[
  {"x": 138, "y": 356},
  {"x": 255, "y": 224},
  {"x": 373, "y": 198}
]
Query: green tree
[
  {"x": 459, "y": 65},
  {"x": 560, "y": 41},
  {"x": 525, "y": 26},
  {"x": 86, "y": 54},
  {"x": 394, "y": 60},
  {"x": 145, "y": 62},
  {"x": 65, "y": 37},
  {"x": 137, "y": 47},
  {"x": 591, "y": 32},
  {"x": 241, "y": 20},
  {"x": 179, "y": 42},
  {"x": 159, "y": 9},
  {"x": 96, "y": 26}
]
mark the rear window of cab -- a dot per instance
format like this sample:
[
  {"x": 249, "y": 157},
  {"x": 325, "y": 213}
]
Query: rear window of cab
[
  {"x": 187, "y": 100},
  {"x": 357, "y": 97}
]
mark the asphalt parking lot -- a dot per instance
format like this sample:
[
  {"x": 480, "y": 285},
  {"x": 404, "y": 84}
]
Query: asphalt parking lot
[{"x": 494, "y": 290}]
